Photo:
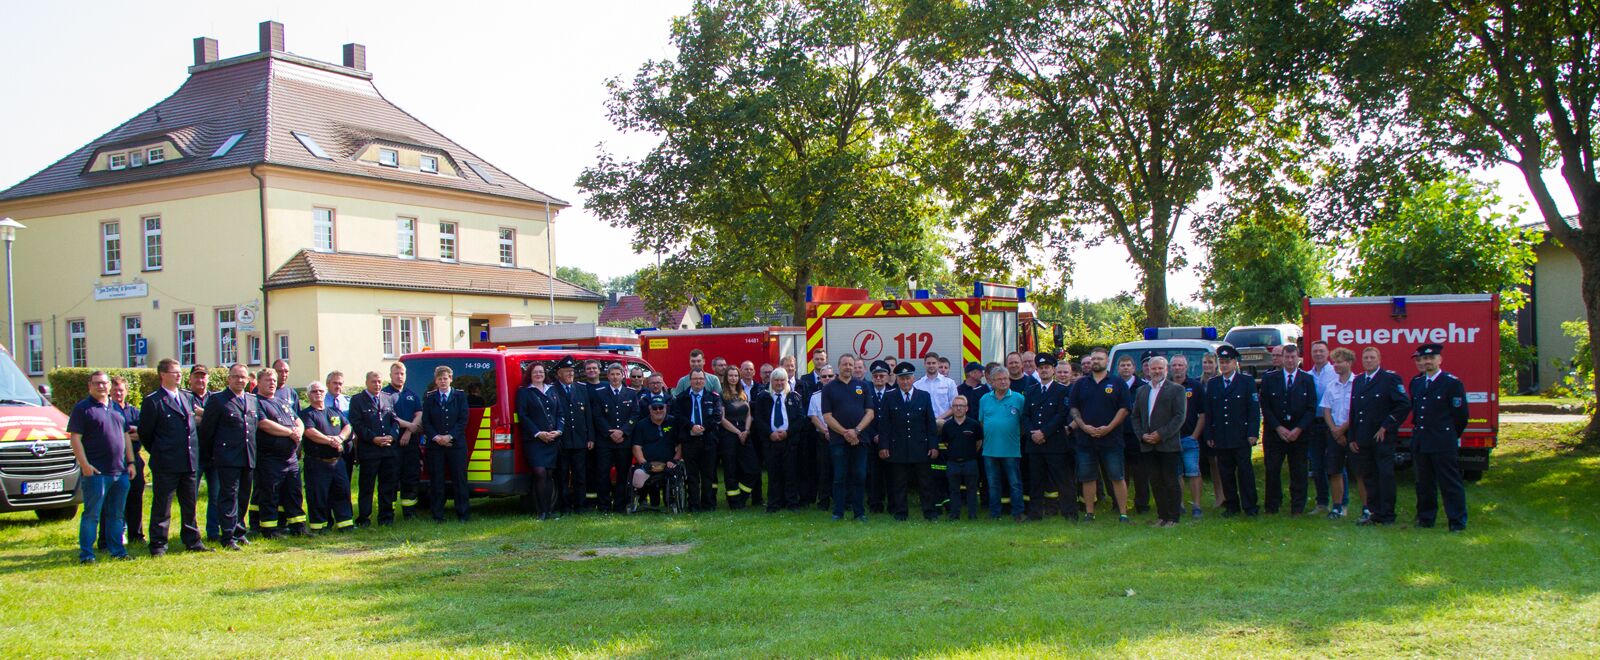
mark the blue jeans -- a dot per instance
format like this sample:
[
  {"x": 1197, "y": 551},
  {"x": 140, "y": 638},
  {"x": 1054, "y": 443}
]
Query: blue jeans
[
  {"x": 1191, "y": 456},
  {"x": 849, "y": 477},
  {"x": 1009, "y": 469},
  {"x": 213, "y": 512},
  {"x": 1091, "y": 458},
  {"x": 108, "y": 496}
]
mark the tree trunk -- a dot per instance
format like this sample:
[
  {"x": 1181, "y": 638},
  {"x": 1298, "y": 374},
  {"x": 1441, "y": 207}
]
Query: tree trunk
[
  {"x": 1156, "y": 313},
  {"x": 801, "y": 281},
  {"x": 1587, "y": 249}
]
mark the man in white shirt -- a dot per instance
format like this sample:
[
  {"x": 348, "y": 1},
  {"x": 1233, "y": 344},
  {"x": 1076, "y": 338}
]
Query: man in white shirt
[
  {"x": 940, "y": 388},
  {"x": 1334, "y": 408},
  {"x": 1322, "y": 373}
]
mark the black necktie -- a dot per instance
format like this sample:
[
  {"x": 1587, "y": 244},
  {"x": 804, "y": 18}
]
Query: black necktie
[
  {"x": 778, "y": 420},
  {"x": 694, "y": 415}
]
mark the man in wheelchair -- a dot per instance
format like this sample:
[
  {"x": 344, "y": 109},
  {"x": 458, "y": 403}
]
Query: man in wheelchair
[{"x": 657, "y": 457}]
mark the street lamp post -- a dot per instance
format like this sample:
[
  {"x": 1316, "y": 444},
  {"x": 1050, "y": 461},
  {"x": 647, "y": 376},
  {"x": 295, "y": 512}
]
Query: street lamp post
[{"x": 8, "y": 233}]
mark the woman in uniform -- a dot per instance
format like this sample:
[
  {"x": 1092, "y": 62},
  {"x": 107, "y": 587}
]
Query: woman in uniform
[
  {"x": 740, "y": 469},
  {"x": 540, "y": 418}
]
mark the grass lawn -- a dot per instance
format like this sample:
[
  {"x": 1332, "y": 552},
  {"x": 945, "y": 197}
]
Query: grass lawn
[
  {"x": 1523, "y": 581},
  {"x": 1534, "y": 398}
]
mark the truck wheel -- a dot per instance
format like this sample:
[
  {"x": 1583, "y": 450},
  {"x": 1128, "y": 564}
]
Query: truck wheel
[
  {"x": 58, "y": 513},
  {"x": 1471, "y": 476}
]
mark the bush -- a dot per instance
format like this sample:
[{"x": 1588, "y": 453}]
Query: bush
[{"x": 69, "y": 385}]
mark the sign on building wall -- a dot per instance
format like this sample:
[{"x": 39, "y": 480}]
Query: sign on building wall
[
  {"x": 120, "y": 291},
  {"x": 247, "y": 316}
]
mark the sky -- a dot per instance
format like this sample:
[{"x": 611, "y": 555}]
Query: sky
[{"x": 521, "y": 84}]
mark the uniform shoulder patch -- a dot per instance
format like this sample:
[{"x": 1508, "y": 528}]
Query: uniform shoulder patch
[
  {"x": 1401, "y": 387},
  {"x": 1455, "y": 402}
]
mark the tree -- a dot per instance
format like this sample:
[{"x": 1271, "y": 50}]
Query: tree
[
  {"x": 793, "y": 134},
  {"x": 1259, "y": 265},
  {"x": 1094, "y": 121},
  {"x": 581, "y": 278}
]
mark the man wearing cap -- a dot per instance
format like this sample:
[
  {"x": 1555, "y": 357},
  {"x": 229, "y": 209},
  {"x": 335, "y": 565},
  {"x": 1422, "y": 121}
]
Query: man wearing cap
[
  {"x": 577, "y": 440},
  {"x": 877, "y": 469},
  {"x": 697, "y": 411},
  {"x": 1233, "y": 418},
  {"x": 654, "y": 441},
  {"x": 973, "y": 386},
  {"x": 1047, "y": 446},
  {"x": 907, "y": 442},
  {"x": 1378, "y": 403},
  {"x": 1288, "y": 405},
  {"x": 1438, "y": 417},
  {"x": 616, "y": 408}
]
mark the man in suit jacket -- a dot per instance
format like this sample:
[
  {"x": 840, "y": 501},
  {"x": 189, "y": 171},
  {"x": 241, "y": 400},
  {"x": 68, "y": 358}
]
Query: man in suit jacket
[
  {"x": 444, "y": 427},
  {"x": 1048, "y": 446},
  {"x": 1132, "y": 457},
  {"x": 780, "y": 416},
  {"x": 1288, "y": 407},
  {"x": 696, "y": 413},
  {"x": 228, "y": 446},
  {"x": 615, "y": 409},
  {"x": 1233, "y": 420},
  {"x": 577, "y": 409},
  {"x": 377, "y": 436},
  {"x": 1439, "y": 416},
  {"x": 1159, "y": 410},
  {"x": 908, "y": 438},
  {"x": 171, "y": 435},
  {"x": 1378, "y": 404}
]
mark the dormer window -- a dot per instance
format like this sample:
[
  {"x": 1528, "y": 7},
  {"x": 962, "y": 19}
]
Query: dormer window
[
  {"x": 429, "y": 164},
  {"x": 388, "y": 158},
  {"x": 155, "y": 155},
  {"x": 135, "y": 159},
  {"x": 118, "y": 162}
]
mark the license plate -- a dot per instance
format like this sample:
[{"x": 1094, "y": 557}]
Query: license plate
[{"x": 35, "y": 487}]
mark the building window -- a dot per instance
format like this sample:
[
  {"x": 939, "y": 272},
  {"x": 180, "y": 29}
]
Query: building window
[
  {"x": 447, "y": 241},
  {"x": 35, "y": 334},
  {"x": 407, "y": 237},
  {"x": 283, "y": 346},
  {"x": 77, "y": 343},
  {"x": 184, "y": 322},
  {"x": 425, "y": 332},
  {"x": 254, "y": 346},
  {"x": 406, "y": 334},
  {"x": 135, "y": 159},
  {"x": 388, "y": 158},
  {"x": 227, "y": 336},
  {"x": 155, "y": 155},
  {"x": 132, "y": 332},
  {"x": 118, "y": 161},
  {"x": 508, "y": 246},
  {"x": 110, "y": 248},
  {"x": 152, "y": 243},
  {"x": 322, "y": 229},
  {"x": 429, "y": 164},
  {"x": 388, "y": 337}
]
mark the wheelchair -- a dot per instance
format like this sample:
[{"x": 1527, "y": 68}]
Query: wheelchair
[{"x": 670, "y": 485}]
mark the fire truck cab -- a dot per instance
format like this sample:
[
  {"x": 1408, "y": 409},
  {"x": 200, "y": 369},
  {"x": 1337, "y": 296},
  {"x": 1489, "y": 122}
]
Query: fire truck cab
[{"x": 982, "y": 328}]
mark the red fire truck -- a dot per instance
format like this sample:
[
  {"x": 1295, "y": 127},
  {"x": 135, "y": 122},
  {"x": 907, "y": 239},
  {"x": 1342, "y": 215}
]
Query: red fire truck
[
  {"x": 669, "y": 349},
  {"x": 571, "y": 336},
  {"x": 982, "y": 328},
  {"x": 1467, "y": 325}
]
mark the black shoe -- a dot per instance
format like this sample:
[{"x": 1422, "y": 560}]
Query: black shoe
[
  {"x": 200, "y": 548},
  {"x": 86, "y": 560},
  {"x": 136, "y": 539},
  {"x": 1229, "y": 514},
  {"x": 439, "y": 519},
  {"x": 464, "y": 518},
  {"x": 158, "y": 552},
  {"x": 1457, "y": 528},
  {"x": 1088, "y": 517},
  {"x": 231, "y": 546},
  {"x": 900, "y": 517},
  {"x": 1272, "y": 512},
  {"x": 1424, "y": 525}
]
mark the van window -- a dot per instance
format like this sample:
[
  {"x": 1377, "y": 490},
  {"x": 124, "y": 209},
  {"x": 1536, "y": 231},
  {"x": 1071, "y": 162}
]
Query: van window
[
  {"x": 1193, "y": 354},
  {"x": 550, "y": 369},
  {"x": 478, "y": 377},
  {"x": 15, "y": 390},
  {"x": 1247, "y": 337}
]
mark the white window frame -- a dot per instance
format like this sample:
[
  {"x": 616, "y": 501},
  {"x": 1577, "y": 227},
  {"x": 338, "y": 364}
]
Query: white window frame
[
  {"x": 400, "y": 334},
  {"x": 508, "y": 246},
  {"x": 155, "y": 155},
  {"x": 77, "y": 342},
  {"x": 317, "y": 229},
  {"x": 253, "y": 349},
  {"x": 425, "y": 332},
  {"x": 136, "y": 158},
  {"x": 183, "y": 334},
  {"x": 132, "y": 330},
  {"x": 388, "y": 157},
  {"x": 33, "y": 338},
  {"x": 152, "y": 242},
  {"x": 406, "y": 237},
  {"x": 281, "y": 344},
  {"x": 227, "y": 319},
  {"x": 117, "y": 161},
  {"x": 386, "y": 334},
  {"x": 429, "y": 164},
  {"x": 449, "y": 241},
  {"x": 110, "y": 247}
]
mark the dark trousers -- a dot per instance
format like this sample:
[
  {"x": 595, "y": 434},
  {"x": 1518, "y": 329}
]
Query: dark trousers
[
  {"x": 164, "y": 485},
  {"x": 783, "y": 487},
  {"x": 213, "y": 511},
  {"x": 1276, "y": 451},
  {"x": 380, "y": 472},
  {"x": 962, "y": 478},
  {"x": 327, "y": 494},
  {"x": 878, "y": 483},
  {"x": 804, "y": 445},
  {"x": 234, "y": 485},
  {"x": 611, "y": 458},
  {"x": 822, "y": 456},
  {"x": 1238, "y": 480},
  {"x": 278, "y": 499},
  {"x": 1052, "y": 487},
  {"x": 1166, "y": 472},
  {"x": 700, "y": 459},
  {"x": 1440, "y": 474},
  {"x": 1138, "y": 478},
  {"x": 448, "y": 463},
  {"x": 849, "y": 468},
  {"x": 900, "y": 477},
  {"x": 133, "y": 509},
  {"x": 1317, "y": 449},
  {"x": 1375, "y": 463},
  {"x": 572, "y": 476},
  {"x": 409, "y": 465},
  {"x": 741, "y": 470}
]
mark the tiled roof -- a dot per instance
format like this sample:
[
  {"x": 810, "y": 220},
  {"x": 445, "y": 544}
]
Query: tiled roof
[
  {"x": 632, "y": 308},
  {"x": 372, "y": 271},
  {"x": 268, "y": 96}
]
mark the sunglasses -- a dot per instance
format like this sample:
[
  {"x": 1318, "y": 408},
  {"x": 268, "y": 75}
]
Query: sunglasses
[{"x": 828, "y": 377}]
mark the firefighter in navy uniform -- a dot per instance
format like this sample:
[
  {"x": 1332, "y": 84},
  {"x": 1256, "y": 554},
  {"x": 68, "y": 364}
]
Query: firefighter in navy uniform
[
  {"x": 279, "y": 500},
  {"x": 408, "y": 413},
  {"x": 696, "y": 412},
  {"x": 444, "y": 429},
  {"x": 1233, "y": 420},
  {"x": 908, "y": 440},
  {"x": 1048, "y": 446},
  {"x": 377, "y": 434},
  {"x": 228, "y": 447},
  {"x": 577, "y": 440},
  {"x": 1438, "y": 417},
  {"x": 877, "y": 470},
  {"x": 616, "y": 406},
  {"x": 1378, "y": 404},
  {"x": 327, "y": 485}
]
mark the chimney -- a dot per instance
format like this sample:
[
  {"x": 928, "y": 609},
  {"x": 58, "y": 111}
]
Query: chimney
[
  {"x": 205, "y": 50},
  {"x": 271, "y": 36},
  {"x": 355, "y": 57}
]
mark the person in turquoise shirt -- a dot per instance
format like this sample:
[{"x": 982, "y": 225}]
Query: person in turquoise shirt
[{"x": 1000, "y": 415}]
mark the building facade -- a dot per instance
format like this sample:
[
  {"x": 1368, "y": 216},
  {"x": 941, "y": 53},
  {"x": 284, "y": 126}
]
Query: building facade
[
  {"x": 1555, "y": 296},
  {"x": 276, "y": 206}
]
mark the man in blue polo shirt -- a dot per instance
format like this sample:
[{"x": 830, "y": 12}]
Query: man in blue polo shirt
[
  {"x": 847, "y": 409},
  {"x": 408, "y": 413},
  {"x": 1100, "y": 406},
  {"x": 103, "y": 456}
]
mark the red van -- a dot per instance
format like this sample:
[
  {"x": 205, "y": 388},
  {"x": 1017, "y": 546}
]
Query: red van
[{"x": 490, "y": 378}]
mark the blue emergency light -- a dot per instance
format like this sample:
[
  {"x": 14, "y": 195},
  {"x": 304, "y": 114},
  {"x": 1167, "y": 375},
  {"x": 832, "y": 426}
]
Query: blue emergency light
[
  {"x": 1397, "y": 307},
  {"x": 919, "y": 294},
  {"x": 705, "y": 320}
]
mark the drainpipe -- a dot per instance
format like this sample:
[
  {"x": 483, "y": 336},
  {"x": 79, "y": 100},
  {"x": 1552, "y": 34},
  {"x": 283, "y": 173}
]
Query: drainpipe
[
  {"x": 550, "y": 257},
  {"x": 266, "y": 327}
]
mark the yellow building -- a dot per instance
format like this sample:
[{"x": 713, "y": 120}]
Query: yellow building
[{"x": 277, "y": 206}]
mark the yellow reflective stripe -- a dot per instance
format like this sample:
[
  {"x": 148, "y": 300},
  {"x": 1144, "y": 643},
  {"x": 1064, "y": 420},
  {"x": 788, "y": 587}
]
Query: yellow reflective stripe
[
  {"x": 11, "y": 435},
  {"x": 255, "y": 508},
  {"x": 268, "y": 523},
  {"x": 744, "y": 488},
  {"x": 322, "y": 525},
  {"x": 478, "y": 466},
  {"x": 479, "y": 475},
  {"x": 1052, "y": 495},
  {"x": 733, "y": 493},
  {"x": 936, "y": 466},
  {"x": 345, "y": 523},
  {"x": 591, "y": 496},
  {"x": 1005, "y": 500},
  {"x": 408, "y": 502},
  {"x": 295, "y": 520},
  {"x": 481, "y": 455}
]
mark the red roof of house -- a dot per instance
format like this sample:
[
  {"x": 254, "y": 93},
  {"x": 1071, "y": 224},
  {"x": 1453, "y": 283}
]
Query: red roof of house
[
  {"x": 632, "y": 308},
  {"x": 376, "y": 271}
]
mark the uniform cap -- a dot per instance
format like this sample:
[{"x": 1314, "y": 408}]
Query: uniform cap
[
  {"x": 567, "y": 362},
  {"x": 1429, "y": 349},
  {"x": 1227, "y": 352},
  {"x": 973, "y": 366},
  {"x": 655, "y": 400},
  {"x": 1045, "y": 359},
  {"x": 905, "y": 369},
  {"x": 880, "y": 365}
]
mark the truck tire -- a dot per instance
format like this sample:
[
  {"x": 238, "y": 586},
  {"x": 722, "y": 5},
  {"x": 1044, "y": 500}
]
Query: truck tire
[
  {"x": 1471, "y": 476},
  {"x": 57, "y": 514}
]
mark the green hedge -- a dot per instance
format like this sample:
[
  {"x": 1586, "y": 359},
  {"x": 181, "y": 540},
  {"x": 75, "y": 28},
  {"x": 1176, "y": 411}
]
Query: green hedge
[{"x": 69, "y": 385}]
